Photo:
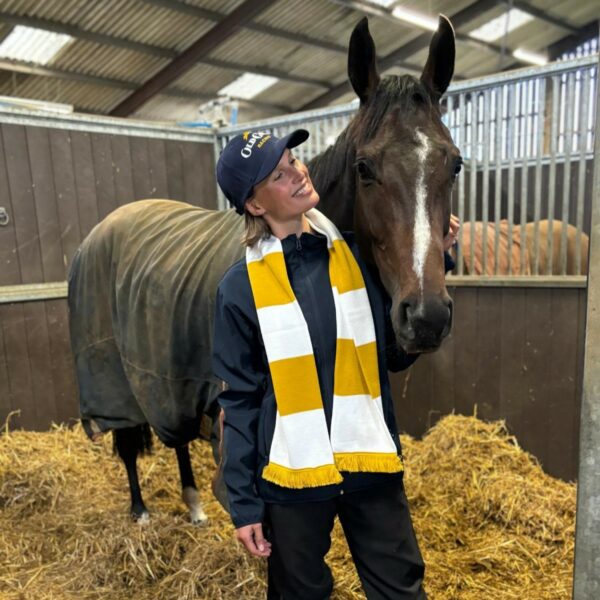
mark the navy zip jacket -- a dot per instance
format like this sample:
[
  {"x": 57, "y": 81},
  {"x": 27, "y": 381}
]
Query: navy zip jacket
[{"x": 248, "y": 401}]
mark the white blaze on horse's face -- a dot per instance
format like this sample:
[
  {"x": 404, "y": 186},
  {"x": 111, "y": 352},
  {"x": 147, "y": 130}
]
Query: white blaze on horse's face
[{"x": 422, "y": 227}]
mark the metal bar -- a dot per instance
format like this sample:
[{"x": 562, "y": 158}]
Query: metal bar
[
  {"x": 525, "y": 133},
  {"x": 519, "y": 75},
  {"x": 583, "y": 121},
  {"x": 485, "y": 192},
  {"x": 552, "y": 169},
  {"x": 570, "y": 111},
  {"x": 30, "y": 292},
  {"x": 300, "y": 117},
  {"x": 513, "y": 105},
  {"x": 461, "y": 184},
  {"x": 498, "y": 182},
  {"x": 99, "y": 124},
  {"x": 538, "y": 175},
  {"x": 473, "y": 179},
  {"x": 586, "y": 580},
  {"x": 202, "y": 47},
  {"x": 515, "y": 281}
]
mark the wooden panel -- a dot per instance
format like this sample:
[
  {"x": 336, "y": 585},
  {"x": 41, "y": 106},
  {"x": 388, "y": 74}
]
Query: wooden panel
[
  {"x": 17, "y": 366},
  {"x": 40, "y": 161},
  {"x": 6, "y": 405},
  {"x": 174, "y": 162},
  {"x": 23, "y": 205},
  {"x": 10, "y": 272},
  {"x": 85, "y": 185},
  {"x": 199, "y": 175},
  {"x": 105, "y": 189},
  {"x": 63, "y": 367},
  {"x": 66, "y": 194},
  {"x": 158, "y": 168},
  {"x": 140, "y": 162},
  {"x": 38, "y": 350},
  {"x": 465, "y": 357},
  {"x": 122, "y": 169},
  {"x": 562, "y": 364}
]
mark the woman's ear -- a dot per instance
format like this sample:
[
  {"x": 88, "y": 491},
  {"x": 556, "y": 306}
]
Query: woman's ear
[{"x": 254, "y": 208}]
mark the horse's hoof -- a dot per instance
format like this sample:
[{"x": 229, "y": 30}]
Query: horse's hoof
[
  {"x": 199, "y": 519},
  {"x": 142, "y": 518}
]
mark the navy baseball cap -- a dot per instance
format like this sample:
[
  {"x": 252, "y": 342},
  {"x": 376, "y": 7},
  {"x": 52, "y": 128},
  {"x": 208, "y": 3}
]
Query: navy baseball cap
[{"x": 249, "y": 158}]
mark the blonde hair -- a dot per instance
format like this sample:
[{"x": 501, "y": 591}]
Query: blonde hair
[{"x": 256, "y": 229}]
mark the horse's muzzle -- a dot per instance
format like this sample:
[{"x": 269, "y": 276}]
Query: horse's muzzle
[{"x": 423, "y": 322}]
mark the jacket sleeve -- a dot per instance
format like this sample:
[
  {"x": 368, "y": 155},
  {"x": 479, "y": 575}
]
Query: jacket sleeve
[
  {"x": 236, "y": 353},
  {"x": 397, "y": 359}
]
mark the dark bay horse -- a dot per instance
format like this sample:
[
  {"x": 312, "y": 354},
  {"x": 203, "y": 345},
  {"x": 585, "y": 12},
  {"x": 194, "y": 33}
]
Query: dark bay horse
[{"x": 142, "y": 284}]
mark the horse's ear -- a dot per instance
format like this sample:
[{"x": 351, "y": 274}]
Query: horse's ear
[
  {"x": 439, "y": 68},
  {"x": 362, "y": 61}
]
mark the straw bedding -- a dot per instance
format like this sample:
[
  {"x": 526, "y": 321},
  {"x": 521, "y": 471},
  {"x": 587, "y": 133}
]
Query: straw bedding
[{"x": 490, "y": 523}]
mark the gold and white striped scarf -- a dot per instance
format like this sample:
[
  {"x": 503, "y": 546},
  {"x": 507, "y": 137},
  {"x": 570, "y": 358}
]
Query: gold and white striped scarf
[{"x": 302, "y": 452}]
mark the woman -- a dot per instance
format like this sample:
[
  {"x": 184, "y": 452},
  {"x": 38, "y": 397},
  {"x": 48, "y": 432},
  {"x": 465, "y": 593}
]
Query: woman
[{"x": 303, "y": 341}]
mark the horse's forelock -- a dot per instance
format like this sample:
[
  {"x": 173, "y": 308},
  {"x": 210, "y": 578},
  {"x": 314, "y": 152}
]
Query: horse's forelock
[{"x": 393, "y": 91}]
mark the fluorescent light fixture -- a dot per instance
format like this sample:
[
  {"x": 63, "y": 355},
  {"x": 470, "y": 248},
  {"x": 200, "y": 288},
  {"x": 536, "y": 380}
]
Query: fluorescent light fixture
[
  {"x": 247, "y": 86},
  {"x": 505, "y": 23},
  {"x": 33, "y": 45},
  {"x": 530, "y": 57},
  {"x": 384, "y": 3},
  {"x": 415, "y": 18}
]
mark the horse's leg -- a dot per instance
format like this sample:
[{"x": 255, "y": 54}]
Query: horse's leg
[
  {"x": 189, "y": 492},
  {"x": 129, "y": 442}
]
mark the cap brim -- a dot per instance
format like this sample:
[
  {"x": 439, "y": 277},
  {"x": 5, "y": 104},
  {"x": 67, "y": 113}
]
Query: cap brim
[{"x": 291, "y": 140}]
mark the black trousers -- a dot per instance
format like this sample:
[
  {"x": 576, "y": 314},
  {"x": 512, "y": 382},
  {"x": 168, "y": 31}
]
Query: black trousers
[{"x": 380, "y": 535}]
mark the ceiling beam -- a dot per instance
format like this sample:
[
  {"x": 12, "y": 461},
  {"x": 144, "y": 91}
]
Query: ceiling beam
[
  {"x": 149, "y": 49},
  {"x": 570, "y": 42},
  {"x": 564, "y": 44},
  {"x": 17, "y": 66},
  {"x": 396, "y": 57},
  {"x": 542, "y": 15},
  {"x": 186, "y": 60},
  {"x": 386, "y": 13},
  {"x": 213, "y": 15}
]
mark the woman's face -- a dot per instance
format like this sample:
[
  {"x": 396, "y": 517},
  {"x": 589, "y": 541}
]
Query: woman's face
[{"x": 286, "y": 194}]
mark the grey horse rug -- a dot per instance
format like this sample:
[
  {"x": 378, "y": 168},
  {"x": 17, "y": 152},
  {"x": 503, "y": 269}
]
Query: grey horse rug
[{"x": 142, "y": 290}]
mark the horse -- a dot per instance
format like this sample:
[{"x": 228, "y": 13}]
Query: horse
[
  {"x": 522, "y": 241},
  {"x": 142, "y": 284}
]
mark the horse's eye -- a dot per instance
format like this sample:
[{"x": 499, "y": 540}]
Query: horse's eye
[
  {"x": 364, "y": 171},
  {"x": 458, "y": 162}
]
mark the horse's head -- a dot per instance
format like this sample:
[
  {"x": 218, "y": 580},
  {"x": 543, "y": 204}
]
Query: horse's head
[{"x": 405, "y": 163}]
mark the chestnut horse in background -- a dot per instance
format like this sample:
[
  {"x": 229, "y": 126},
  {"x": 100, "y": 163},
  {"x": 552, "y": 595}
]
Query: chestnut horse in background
[{"x": 472, "y": 234}]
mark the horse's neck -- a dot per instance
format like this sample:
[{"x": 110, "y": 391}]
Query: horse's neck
[{"x": 332, "y": 174}]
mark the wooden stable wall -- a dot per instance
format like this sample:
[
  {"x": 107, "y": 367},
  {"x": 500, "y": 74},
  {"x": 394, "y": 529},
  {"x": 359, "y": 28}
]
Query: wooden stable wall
[
  {"x": 55, "y": 185},
  {"x": 514, "y": 354}
]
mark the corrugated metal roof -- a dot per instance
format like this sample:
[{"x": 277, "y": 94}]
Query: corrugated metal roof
[{"x": 171, "y": 26}]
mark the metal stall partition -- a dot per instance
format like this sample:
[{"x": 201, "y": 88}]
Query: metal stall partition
[
  {"x": 527, "y": 138},
  {"x": 60, "y": 174}
]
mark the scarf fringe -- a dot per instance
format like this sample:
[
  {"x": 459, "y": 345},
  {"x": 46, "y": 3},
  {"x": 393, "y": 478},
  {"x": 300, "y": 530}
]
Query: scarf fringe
[
  {"x": 301, "y": 478},
  {"x": 372, "y": 462}
]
